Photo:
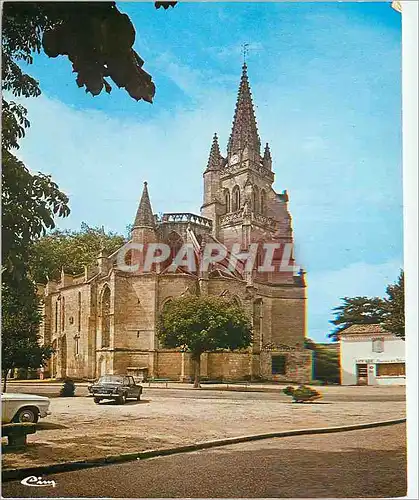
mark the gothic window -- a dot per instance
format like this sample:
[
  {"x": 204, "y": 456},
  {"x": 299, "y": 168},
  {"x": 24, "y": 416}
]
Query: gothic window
[
  {"x": 79, "y": 312},
  {"x": 76, "y": 345},
  {"x": 166, "y": 303},
  {"x": 255, "y": 199},
  {"x": 227, "y": 200},
  {"x": 54, "y": 358},
  {"x": 62, "y": 314},
  {"x": 263, "y": 202},
  {"x": 56, "y": 316},
  {"x": 106, "y": 319},
  {"x": 260, "y": 256},
  {"x": 236, "y": 301},
  {"x": 175, "y": 243},
  {"x": 257, "y": 321},
  {"x": 236, "y": 199}
]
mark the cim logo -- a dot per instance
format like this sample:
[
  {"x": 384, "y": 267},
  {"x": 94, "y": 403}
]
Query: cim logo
[{"x": 37, "y": 481}]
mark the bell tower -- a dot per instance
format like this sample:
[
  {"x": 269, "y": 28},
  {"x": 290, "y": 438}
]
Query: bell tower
[{"x": 246, "y": 177}]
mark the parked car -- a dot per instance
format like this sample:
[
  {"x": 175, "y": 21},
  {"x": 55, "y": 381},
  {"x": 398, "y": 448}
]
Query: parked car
[
  {"x": 90, "y": 385},
  {"x": 116, "y": 387},
  {"x": 23, "y": 407}
]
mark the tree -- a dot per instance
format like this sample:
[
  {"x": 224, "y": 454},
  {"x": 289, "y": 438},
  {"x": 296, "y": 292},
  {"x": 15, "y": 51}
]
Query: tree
[
  {"x": 356, "y": 311},
  {"x": 98, "y": 41},
  {"x": 393, "y": 308},
  {"x": 20, "y": 346},
  {"x": 201, "y": 324},
  {"x": 95, "y": 36},
  {"x": 70, "y": 250}
]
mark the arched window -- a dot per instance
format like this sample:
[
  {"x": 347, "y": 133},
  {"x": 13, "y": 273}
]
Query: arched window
[
  {"x": 227, "y": 200},
  {"x": 56, "y": 316},
  {"x": 255, "y": 199},
  {"x": 105, "y": 308},
  {"x": 76, "y": 345},
  {"x": 236, "y": 199},
  {"x": 79, "y": 312},
  {"x": 257, "y": 322},
  {"x": 175, "y": 243},
  {"x": 263, "y": 202},
  {"x": 260, "y": 256},
  {"x": 236, "y": 301},
  {"x": 62, "y": 313}
]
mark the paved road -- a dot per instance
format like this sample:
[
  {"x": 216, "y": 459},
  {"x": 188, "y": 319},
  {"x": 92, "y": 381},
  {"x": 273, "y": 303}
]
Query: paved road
[
  {"x": 330, "y": 393},
  {"x": 367, "y": 463}
]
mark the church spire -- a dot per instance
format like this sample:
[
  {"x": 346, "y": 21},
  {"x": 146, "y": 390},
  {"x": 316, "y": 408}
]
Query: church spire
[
  {"x": 144, "y": 217},
  {"x": 215, "y": 158},
  {"x": 244, "y": 132}
]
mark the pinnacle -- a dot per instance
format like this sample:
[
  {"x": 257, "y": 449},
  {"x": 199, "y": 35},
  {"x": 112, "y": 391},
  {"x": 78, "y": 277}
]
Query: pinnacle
[
  {"x": 214, "y": 160},
  {"x": 144, "y": 215}
]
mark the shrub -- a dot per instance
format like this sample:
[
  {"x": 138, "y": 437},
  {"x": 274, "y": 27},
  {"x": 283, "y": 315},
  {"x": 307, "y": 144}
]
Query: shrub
[
  {"x": 302, "y": 393},
  {"x": 68, "y": 389},
  {"x": 288, "y": 390}
]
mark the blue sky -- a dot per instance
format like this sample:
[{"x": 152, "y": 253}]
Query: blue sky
[{"x": 326, "y": 84}]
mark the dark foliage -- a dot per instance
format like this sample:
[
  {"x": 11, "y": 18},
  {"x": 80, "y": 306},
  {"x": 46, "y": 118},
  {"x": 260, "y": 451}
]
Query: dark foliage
[{"x": 68, "y": 389}]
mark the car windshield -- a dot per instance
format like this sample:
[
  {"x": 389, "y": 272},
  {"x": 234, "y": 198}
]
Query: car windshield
[{"x": 111, "y": 379}]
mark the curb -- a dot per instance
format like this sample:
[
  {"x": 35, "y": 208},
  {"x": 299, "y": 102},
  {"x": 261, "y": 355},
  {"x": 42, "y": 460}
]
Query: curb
[{"x": 13, "y": 474}]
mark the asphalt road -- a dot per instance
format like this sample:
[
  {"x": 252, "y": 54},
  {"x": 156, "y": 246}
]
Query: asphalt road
[{"x": 364, "y": 463}]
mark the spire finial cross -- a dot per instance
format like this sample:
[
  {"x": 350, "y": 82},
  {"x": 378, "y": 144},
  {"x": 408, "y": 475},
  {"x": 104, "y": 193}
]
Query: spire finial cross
[{"x": 245, "y": 51}]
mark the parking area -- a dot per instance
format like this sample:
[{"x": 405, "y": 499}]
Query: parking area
[{"x": 78, "y": 428}]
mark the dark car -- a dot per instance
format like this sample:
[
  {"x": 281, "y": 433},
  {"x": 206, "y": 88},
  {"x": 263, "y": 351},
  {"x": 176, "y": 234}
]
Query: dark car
[{"x": 116, "y": 387}]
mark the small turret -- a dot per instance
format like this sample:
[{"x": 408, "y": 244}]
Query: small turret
[
  {"x": 102, "y": 262},
  {"x": 143, "y": 229},
  {"x": 215, "y": 159},
  {"x": 267, "y": 158}
]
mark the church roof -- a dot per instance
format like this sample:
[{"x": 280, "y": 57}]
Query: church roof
[
  {"x": 144, "y": 217},
  {"x": 244, "y": 132}
]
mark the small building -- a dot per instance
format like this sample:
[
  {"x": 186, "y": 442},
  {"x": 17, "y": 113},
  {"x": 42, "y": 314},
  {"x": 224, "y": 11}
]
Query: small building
[{"x": 369, "y": 355}]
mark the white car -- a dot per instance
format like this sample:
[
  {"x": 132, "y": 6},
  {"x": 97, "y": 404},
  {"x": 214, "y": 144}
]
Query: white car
[{"x": 23, "y": 407}]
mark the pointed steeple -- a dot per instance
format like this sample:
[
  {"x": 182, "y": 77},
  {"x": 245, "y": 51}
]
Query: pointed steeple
[
  {"x": 244, "y": 132},
  {"x": 144, "y": 217},
  {"x": 215, "y": 158},
  {"x": 267, "y": 158}
]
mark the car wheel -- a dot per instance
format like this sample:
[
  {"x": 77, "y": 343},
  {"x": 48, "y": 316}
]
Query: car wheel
[
  {"x": 96, "y": 400},
  {"x": 122, "y": 399},
  {"x": 27, "y": 415}
]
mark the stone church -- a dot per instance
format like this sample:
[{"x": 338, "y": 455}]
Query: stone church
[{"x": 104, "y": 321}]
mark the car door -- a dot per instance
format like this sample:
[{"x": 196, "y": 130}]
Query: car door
[
  {"x": 127, "y": 387},
  {"x": 129, "y": 381},
  {"x": 134, "y": 387}
]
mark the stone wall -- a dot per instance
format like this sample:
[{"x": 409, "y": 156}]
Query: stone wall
[
  {"x": 135, "y": 310},
  {"x": 298, "y": 366},
  {"x": 169, "y": 364},
  {"x": 228, "y": 365}
]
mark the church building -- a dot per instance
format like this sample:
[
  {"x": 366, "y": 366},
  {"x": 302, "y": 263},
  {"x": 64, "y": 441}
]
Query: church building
[{"x": 105, "y": 320}]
